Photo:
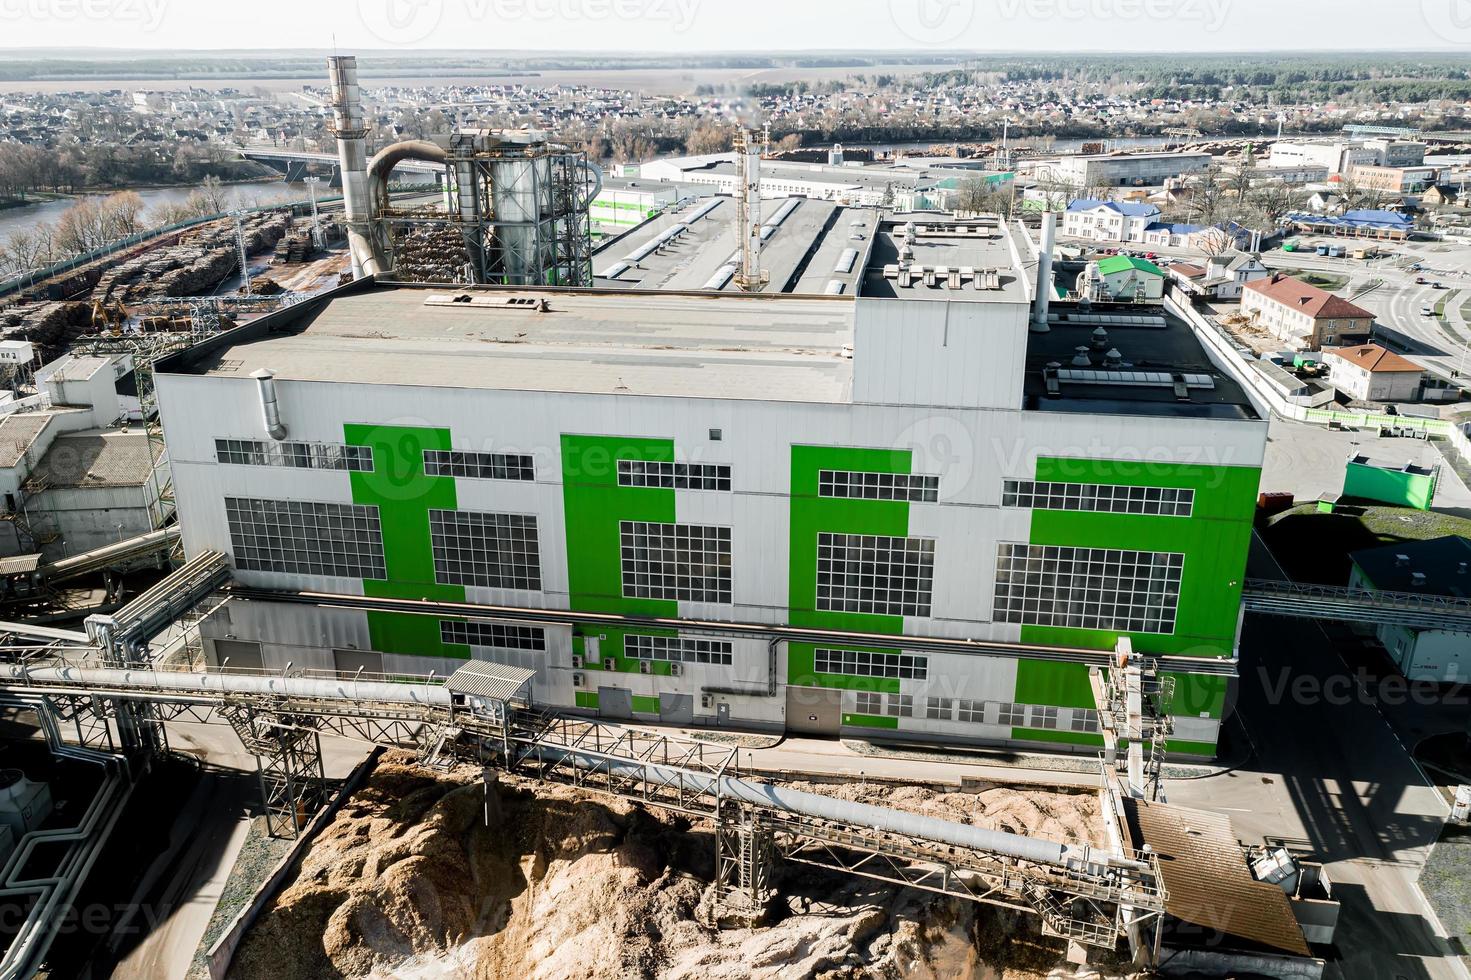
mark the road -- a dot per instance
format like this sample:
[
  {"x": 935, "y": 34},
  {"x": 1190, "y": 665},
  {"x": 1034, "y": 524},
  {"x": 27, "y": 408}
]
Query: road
[{"x": 1330, "y": 772}]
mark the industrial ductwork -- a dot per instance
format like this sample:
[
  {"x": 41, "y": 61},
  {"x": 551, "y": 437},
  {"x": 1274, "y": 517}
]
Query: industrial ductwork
[
  {"x": 270, "y": 409},
  {"x": 1043, "y": 301}
]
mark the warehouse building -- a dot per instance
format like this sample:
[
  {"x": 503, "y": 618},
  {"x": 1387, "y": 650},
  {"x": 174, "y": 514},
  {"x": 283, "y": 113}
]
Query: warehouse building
[
  {"x": 1123, "y": 169},
  {"x": 950, "y": 501}
]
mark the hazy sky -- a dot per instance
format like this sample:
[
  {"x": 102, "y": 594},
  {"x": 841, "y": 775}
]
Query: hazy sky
[{"x": 1140, "y": 26}]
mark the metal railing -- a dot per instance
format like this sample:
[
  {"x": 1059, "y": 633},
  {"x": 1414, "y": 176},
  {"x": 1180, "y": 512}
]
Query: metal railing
[{"x": 1309, "y": 601}]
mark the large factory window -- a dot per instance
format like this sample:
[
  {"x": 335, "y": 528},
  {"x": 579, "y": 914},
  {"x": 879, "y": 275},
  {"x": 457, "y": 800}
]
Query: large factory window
[
  {"x": 503, "y": 636},
  {"x": 867, "y": 573},
  {"x": 494, "y": 551},
  {"x": 306, "y": 538},
  {"x": 479, "y": 466},
  {"x": 687, "y": 562},
  {"x": 674, "y": 476},
  {"x": 1099, "y": 497},
  {"x": 912, "y": 487},
  {"x": 1087, "y": 588},
  {"x": 296, "y": 455},
  {"x": 861, "y": 663},
  {"x": 686, "y": 649}
]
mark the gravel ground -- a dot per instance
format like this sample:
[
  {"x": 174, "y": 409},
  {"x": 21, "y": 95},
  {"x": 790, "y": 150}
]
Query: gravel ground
[
  {"x": 1446, "y": 882},
  {"x": 258, "y": 857}
]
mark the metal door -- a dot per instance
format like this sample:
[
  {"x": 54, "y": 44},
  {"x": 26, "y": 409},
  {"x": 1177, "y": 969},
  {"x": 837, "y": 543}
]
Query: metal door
[
  {"x": 241, "y": 653},
  {"x": 814, "y": 710},
  {"x": 722, "y": 713},
  {"x": 615, "y": 702},
  {"x": 677, "y": 709}
]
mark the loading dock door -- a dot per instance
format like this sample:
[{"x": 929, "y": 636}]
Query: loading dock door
[
  {"x": 615, "y": 702},
  {"x": 814, "y": 711},
  {"x": 677, "y": 709},
  {"x": 347, "y": 662},
  {"x": 244, "y": 654}
]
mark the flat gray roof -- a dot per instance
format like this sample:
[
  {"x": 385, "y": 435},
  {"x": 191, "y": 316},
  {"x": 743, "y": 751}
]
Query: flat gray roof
[
  {"x": 938, "y": 240},
  {"x": 96, "y": 459},
  {"x": 772, "y": 348}
]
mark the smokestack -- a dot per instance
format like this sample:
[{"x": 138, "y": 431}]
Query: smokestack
[
  {"x": 351, "y": 130},
  {"x": 1044, "y": 274},
  {"x": 270, "y": 409}
]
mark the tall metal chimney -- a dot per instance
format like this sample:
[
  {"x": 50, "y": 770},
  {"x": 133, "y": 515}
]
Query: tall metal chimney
[
  {"x": 351, "y": 129},
  {"x": 1044, "y": 273},
  {"x": 751, "y": 276}
]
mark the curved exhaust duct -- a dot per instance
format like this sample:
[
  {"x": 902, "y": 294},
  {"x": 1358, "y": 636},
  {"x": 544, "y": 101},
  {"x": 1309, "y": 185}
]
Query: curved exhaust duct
[{"x": 270, "y": 409}]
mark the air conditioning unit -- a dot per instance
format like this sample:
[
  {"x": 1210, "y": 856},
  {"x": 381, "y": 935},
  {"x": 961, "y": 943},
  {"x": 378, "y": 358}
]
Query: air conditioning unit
[
  {"x": 576, "y": 661},
  {"x": 707, "y": 700},
  {"x": 579, "y": 679},
  {"x": 676, "y": 669},
  {"x": 645, "y": 667},
  {"x": 610, "y": 663}
]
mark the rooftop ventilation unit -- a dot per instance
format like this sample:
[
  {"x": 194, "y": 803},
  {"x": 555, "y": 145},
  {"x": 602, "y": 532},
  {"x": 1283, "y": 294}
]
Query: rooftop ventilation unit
[{"x": 1081, "y": 359}]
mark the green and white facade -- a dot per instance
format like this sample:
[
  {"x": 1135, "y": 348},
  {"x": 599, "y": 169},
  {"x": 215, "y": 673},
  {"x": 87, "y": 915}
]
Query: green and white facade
[{"x": 899, "y": 484}]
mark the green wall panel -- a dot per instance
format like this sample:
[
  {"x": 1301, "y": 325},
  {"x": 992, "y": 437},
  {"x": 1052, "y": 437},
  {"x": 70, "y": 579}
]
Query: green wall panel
[
  {"x": 1050, "y": 682},
  {"x": 404, "y": 494},
  {"x": 871, "y": 721}
]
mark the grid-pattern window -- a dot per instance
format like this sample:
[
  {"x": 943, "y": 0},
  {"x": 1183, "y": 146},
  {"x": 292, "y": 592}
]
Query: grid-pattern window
[
  {"x": 899, "y": 706},
  {"x": 305, "y": 537},
  {"x": 973, "y": 712},
  {"x": 685, "y": 649},
  {"x": 479, "y": 466},
  {"x": 869, "y": 703},
  {"x": 913, "y": 487},
  {"x": 504, "y": 636},
  {"x": 296, "y": 455},
  {"x": 1008, "y": 713},
  {"x": 673, "y": 476},
  {"x": 1100, "y": 497},
  {"x": 1043, "y": 716},
  {"x": 938, "y": 709},
  {"x": 868, "y": 573},
  {"x": 494, "y": 551},
  {"x": 1087, "y": 588},
  {"x": 861, "y": 663},
  {"x": 688, "y": 562},
  {"x": 1084, "y": 720}
]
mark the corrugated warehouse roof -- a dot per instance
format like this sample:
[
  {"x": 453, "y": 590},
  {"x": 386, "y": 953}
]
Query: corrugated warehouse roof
[{"x": 1207, "y": 880}]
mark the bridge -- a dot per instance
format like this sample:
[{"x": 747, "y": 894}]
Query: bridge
[
  {"x": 1307, "y": 601},
  {"x": 296, "y": 163}
]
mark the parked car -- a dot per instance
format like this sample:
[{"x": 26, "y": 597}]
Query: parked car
[
  {"x": 1421, "y": 280},
  {"x": 1426, "y": 311}
]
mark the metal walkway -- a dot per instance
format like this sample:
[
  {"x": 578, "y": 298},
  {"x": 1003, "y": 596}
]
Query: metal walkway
[
  {"x": 1306, "y": 601},
  {"x": 1082, "y": 892}
]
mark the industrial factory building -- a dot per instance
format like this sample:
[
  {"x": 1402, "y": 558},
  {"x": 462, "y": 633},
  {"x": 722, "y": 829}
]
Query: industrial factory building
[{"x": 655, "y": 499}]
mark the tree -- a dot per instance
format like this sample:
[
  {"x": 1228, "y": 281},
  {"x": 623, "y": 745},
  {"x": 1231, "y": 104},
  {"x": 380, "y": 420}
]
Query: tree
[{"x": 708, "y": 138}]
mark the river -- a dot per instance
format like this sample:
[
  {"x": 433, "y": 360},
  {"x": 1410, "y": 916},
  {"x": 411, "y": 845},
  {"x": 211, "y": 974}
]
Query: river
[{"x": 246, "y": 195}]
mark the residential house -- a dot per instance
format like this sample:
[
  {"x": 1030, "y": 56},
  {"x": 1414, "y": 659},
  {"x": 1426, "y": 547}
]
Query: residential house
[
  {"x": 1221, "y": 276},
  {"x": 1108, "y": 221},
  {"x": 1370, "y": 373},
  {"x": 1302, "y": 315},
  {"x": 1122, "y": 278}
]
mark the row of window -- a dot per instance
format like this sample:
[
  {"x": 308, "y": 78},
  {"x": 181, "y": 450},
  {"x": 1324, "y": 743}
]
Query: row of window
[
  {"x": 862, "y": 663},
  {"x": 976, "y": 712},
  {"x": 869, "y": 573},
  {"x": 684, "y": 649},
  {"x": 479, "y": 466},
  {"x": 1038, "y": 585},
  {"x": 673, "y": 476},
  {"x": 1098, "y": 497},
  {"x": 504, "y": 636},
  {"x": 297, "y": 455},
  {"x": 878, "y": 486},
  {"x": 1087, "y": 588}
]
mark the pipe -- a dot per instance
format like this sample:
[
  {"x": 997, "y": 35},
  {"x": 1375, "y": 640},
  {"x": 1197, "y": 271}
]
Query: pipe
[
  {"x": 365, "y": 244},
  {"x": 269, "y": 407},
  {"x": 1043, "y": 299}
]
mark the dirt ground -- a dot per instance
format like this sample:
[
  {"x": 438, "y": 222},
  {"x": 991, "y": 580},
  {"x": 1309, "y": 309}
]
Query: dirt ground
[{"x": 423, "y": 877}]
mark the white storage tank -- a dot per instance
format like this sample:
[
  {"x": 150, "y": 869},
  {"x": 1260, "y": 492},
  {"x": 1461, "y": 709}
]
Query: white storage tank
[{"x": 24, "y": 803}]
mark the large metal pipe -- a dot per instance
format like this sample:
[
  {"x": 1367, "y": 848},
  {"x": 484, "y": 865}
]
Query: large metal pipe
[
  {"x": 270, "y": 408},
  {"x": 1044, "y": 273},
  {"x": 351, "y": 129}
]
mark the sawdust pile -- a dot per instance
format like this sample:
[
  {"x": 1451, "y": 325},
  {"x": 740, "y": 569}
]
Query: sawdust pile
[{"x": 423, "y": 877}]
